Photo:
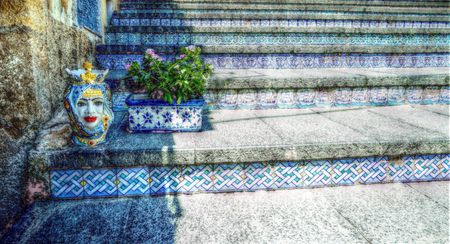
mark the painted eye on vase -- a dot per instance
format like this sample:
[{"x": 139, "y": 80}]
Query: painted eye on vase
[
  {"x": 98, "y": 103},
  {"x": 81, "y": 103}
]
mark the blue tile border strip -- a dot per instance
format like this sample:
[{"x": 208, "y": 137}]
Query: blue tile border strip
[
  {"x": 142, "y": 181},
  {"x": 307, "y": 98}
]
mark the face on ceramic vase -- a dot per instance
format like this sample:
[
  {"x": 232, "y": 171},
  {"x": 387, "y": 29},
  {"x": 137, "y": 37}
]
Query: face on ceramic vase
[{"x": 90, "y": 108}]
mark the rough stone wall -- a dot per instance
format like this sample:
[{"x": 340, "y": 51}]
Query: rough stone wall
[{"x": 35, "y": 49}]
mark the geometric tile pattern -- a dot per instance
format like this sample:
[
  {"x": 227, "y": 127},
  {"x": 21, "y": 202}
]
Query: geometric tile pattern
[
  {"x": 143, "y": 35},
  {"x": 306, "y": 98},
  {"x": 143, "y": 20},
  {"x": 66, "y": 183},
  {"x": 295, "y": 61},
  {"x": 133, "y": 181},
  {"x": 170, "y": 117},
  {"x": 100, "y": 182},
  {"x": 246, "y": 177}
]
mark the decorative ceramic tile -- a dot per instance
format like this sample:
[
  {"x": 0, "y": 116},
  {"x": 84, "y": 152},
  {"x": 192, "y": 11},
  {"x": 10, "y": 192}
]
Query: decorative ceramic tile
[
  {"x": 346, "y": 172},
  {"x": 100, "y": 182},
  {"x": 229, "y": 177},
  {"x": 445, "y": 94},
  {"x": 378, "y": 96},
  {"x": 286, "y": 98},
  {"x": 247, "y": 99},
  {"x": 324, "y": 98},
  {"x": 252, "y": 176},
  {"x": 396, "y": 95},
  {"x": 287, "y": 175},
  {"x": 66, "y": 183},
  {"x": 267, "y": 98},
  {"x": 211, "y": 99},
  {"x": 400, "y": 171},
  {"x": 170, "y": 117},
  {"x": 293, "y": 61},
  {"x": 414, "y": 94},
  {"x": 133, "y": 181},
  {"x": 431, "y": 95},
  {"x": 306, "y": 98},
  {"x": 360, "y": 97},
  {"x": 317, "y": 173},
  {"x": 343, "y": 97},
  {"x": 165, "y": 179},
  {"x": 197, "y": 178},
  {"x": 227, "y": 99},
  {"x": 259, "y": 176}
]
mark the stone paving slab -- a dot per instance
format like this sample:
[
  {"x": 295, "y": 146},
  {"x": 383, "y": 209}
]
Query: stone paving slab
[
  {"x": 386, "y": 213},
  {"x": 239, "y": 136},
  {"x": 318, "y": 78}
]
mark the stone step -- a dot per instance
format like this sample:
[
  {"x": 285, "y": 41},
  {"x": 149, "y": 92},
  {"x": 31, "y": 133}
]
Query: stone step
[
  {"x": 360, "y": 11},
  {"x": 413, "y": 3},
  {"x": 305, "y": 15},
  {"x": 298, "y": 61},
  {"x": 155, "y": 20},
  {"x": 284, "y": 7},
  {"x": 235, "y": 148},
  {"x": 351, "y": 87}
]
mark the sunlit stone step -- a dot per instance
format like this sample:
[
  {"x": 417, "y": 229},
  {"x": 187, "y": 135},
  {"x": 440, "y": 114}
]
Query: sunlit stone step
[
  {"x": 413, "y": 3},
  {"x": 254, "y": 150},
  {"x": 344, "y": 87},
  {"x": 342, "y": 16},
  {"x": 284, "y": 7}
]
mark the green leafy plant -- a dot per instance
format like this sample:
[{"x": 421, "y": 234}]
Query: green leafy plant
[{"x": 177, "y": 80}]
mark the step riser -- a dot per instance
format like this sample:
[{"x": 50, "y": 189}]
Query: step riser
[
  {"x": 145, "y": 181},
  {"x": 309, "y": 98},
  {"x": 298, "y": 61},
  {"x": 260, "y": 23},
  {"x": 274, "y": 39}
]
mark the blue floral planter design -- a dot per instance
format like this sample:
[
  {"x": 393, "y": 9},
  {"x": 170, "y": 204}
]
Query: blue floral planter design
[{"x": 147, "y": 115}]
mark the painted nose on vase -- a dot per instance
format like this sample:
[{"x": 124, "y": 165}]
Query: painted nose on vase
[{"x": 90, "y": 107}]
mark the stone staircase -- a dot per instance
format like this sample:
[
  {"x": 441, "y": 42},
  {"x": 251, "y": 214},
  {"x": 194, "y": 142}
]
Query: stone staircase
[{"x": 333, "y": 63}]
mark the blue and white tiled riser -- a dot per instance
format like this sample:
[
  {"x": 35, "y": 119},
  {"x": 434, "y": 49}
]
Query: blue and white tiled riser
[
  {"x": 136, "y": 38},
  {"x": 146, "y": 118},
  {"x": 298, "y": 61},
  {"x": 306, "y": 98},
  {"x": 246, "y": 177},
  {"x": 116, "y": 21}
]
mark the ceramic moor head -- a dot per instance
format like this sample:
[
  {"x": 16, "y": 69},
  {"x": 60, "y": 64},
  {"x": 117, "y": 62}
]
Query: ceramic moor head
[{"x": 88, "y": 102}]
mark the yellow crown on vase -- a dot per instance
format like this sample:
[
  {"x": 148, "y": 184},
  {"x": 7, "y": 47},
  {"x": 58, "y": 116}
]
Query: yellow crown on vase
[{"x": 87, "y": 75}]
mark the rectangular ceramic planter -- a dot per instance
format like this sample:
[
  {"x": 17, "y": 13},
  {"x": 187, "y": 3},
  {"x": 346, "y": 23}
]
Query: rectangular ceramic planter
[{"x": 155, "y": 115}]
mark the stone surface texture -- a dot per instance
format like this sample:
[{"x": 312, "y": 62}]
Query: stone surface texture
[
  {"x": 385, "y": 213},
  {"x": 36, "y": 45},
  {"x": 276, "y": 135}
]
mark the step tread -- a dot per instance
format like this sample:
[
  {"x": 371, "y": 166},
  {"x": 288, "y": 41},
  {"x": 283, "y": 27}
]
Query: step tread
[
  {"x": 239, "y": 136},
  {"x": 286, "y": 15},
  {"x": 316, "y": 78}
]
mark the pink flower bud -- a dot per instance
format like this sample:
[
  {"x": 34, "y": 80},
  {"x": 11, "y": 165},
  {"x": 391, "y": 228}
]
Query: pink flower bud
[
  {"x": 150, "y": 52},
  {"x": 127, "y": 66},
  {"x": 181, "y": 56}
]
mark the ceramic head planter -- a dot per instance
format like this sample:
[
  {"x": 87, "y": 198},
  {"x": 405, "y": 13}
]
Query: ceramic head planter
[{"x": 88, "y": 102}]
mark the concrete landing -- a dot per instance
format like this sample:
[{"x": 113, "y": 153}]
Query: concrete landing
[
  {"x": 277, "y": 135},
  {"x": 389, "y": 213}
]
